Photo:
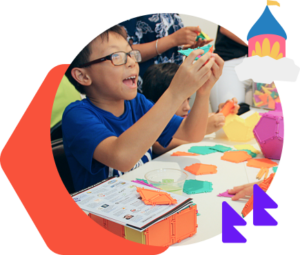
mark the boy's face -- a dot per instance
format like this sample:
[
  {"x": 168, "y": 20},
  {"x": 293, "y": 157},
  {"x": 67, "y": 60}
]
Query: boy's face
[
  {"x": 109, "y": 81},
  {"x": 183, "y": 110}
]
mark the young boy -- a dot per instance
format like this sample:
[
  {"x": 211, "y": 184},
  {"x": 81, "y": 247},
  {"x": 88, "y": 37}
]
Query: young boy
[
  {"x": 156, "y": 81},
  {"x": 110, "y": 132}
]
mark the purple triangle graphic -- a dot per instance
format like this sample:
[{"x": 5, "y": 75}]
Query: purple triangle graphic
[
  {"x": 261, "y": 200},
  {"x": 230, "y": 221}
]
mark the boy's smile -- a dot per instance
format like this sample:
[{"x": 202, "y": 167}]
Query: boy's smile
[{"x": 110, "y": 82}]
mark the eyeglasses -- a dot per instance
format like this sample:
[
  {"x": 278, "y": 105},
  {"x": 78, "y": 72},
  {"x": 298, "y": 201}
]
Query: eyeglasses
[{"x": 117, "y": 58}]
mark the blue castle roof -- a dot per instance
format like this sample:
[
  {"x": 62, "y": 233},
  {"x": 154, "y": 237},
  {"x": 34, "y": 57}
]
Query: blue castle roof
[{"x": 266, "y": 24}]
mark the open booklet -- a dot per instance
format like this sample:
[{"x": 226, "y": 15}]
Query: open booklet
[{"x": 117, "y": 200}]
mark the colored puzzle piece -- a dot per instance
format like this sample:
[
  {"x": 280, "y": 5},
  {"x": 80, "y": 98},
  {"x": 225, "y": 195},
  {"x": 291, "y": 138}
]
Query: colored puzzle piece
[
  {"x": 182, "y": 153},
  {"x": 252, "y": 154},
  {"x": 246, "y": 147},
  {"x": 206, "y": 48},
  {"x": 203, "y": 150},
  {"x": 226, "y": 110},
  {"x": 236, "y": 156},
  {"x": 153, "y": 197},
  {"x": 143, "y": 180},
  {"x": 275, "y": 169},
  {"x": 225, "y": 194},
  {"x": 196, "y": 187},
  {"x": 220, "y": 148},
  {"x": 146, "y": 184},
  {"x": 261, "y": 163},
  {"x": 201, "y": 169}
]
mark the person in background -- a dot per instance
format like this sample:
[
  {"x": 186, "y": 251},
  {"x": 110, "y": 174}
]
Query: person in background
[
  {"x": 232, "y": 50},
  {"x": 158, "y": 37}
]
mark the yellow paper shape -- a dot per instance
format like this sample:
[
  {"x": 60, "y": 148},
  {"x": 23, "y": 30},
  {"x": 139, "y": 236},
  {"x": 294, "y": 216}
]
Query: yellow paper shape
[
  {"x": 269, "y": 2},
  {"x": 238, "y": 129},
  {"x": 246, "y": 147},
  {"x": 134, "y": 235},
  {"x": 205, "y": 35},
  {"x": 258, "y": 93}
]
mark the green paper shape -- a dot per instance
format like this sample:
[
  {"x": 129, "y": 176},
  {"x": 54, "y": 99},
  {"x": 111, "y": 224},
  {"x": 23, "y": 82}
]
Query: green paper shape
[
  {"x": 259, "y": 85},
  {"x": 198, "y": 214},
  {"x": 188, "y": 51},
  {"x": 202, "y": 150},
  {"x": 143, "y": 180},
  {"x": 274, "y": 95},
  {"x": 275, "y": 169},
  {"x": 167, "y": 180},
  {"x": 196, "y": 187},
  {"x": 220, "y": 148},
  {"x": 201, "y": 36}
]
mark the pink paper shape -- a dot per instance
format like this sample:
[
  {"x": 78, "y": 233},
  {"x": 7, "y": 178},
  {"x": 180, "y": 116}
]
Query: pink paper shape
[
  {"x": 225, "y": 194},
  {"x": 144, "y": 183}
]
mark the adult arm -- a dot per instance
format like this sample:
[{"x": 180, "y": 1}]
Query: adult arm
[{"x": 232, "y": 36}]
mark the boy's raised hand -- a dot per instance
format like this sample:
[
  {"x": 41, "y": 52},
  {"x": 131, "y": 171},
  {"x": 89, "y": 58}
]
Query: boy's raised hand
[
  {"x": 217, "y": 69},
  {"x": 191, "y": 76}
]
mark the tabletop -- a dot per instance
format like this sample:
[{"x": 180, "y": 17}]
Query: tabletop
[{"x": 228, "y": 176}]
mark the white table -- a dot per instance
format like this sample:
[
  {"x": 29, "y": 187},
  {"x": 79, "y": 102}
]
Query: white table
[{"x": 228, "y": 175}]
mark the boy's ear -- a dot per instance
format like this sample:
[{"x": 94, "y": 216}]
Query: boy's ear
[{"x": 81, "y": 76}]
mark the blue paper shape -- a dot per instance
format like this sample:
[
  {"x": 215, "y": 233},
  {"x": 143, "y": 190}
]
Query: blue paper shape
[
  {"x": 231, "y": 218},
  {"x": 261, "y": 200}
]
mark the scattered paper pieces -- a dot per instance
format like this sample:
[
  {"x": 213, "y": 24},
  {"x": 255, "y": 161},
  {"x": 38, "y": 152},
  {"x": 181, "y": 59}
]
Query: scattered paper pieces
[
  {"x": 201, "y": 169},
  {"x": 275, "y": 169},
  {"x": 252, "y": 154},
  {"x": 203, "y": 150},
  {"x": 225, "y": 194},
  {"x": 236, "y": 156},
  {"x": 182, "y": 153},
  {"x": 142, "y": 180},
  {"x": 261, "y": 163},
  {"x": 146, "y": 184},
  {"x": 196, "y": 187}
]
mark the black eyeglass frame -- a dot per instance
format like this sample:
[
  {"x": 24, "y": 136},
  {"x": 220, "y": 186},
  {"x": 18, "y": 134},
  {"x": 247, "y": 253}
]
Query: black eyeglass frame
[{"x": 109, "y": 57}]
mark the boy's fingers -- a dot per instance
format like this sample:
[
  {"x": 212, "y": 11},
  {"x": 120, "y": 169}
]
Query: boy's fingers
[
  {"x": 202, "y": 60},
  {"x": 204, "y": 69},
  {"x": 219, "y": 60},
  {"x": 190, "y": 59}
]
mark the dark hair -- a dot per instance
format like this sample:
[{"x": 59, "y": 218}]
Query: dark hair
[
  {"x": 157, "y": 79},
  {"x": 84, "y": 55}
]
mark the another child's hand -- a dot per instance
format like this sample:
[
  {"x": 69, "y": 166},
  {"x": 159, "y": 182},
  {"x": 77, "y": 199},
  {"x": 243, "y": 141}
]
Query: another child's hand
[
  {"x": 217, "y": 69},
  {"x": 242, "y": 191},
  {"x": 197, "y": 44},
  {"x": 215, "y": 122},
  {"x": 236, "y": 106}
]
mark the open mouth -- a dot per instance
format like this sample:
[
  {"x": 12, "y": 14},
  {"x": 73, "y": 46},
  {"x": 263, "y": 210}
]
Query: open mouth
[{"x": 130, "y": 82}]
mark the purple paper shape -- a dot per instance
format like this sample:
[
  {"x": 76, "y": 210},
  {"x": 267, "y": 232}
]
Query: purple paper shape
[
  {"x": 261, "y": 200},
  {"x": 144, "y": 183},
  {"x": 257, "y": 99},
  {"x": 269, "y": 134},
  {"x": 278, "y": 107},
  {"x": 231, "y": 218},
  {"x": 225, "y": 194}
]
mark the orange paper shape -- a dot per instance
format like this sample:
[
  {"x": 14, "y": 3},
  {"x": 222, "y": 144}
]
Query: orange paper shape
[
  {"x": 226, "y": 110},
  {"x": 182, "y": 153},
  {"x": 153, "y": 197},
  {"x": 267, "y": 182},
  {"x": 264, "y": 186},
  {"x": 264, "y": 98},
  {"x": 271, "y": 103},
  {"x": 261, "y": 163},
  {"x": 236, "y": 156},
  {"x": 201, "y": 169}
]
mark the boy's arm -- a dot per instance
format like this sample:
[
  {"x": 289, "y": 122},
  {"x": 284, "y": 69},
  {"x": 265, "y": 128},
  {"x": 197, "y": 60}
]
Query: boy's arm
[
  {"x": 193, "y": 128},
  {"x": 124, "y": 151},
  {"x": 158, "y": 149}
]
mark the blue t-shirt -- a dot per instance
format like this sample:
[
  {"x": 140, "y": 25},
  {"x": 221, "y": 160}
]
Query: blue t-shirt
[
  {"x": 85, "y": 125},
  {"x": 149, "y": 28}
]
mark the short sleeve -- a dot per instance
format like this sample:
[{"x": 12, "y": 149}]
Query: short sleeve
[
  {"x": 169, "y": 131},
  {"x": 130, "y": 27},
  {"x": 82, "y": 132}
]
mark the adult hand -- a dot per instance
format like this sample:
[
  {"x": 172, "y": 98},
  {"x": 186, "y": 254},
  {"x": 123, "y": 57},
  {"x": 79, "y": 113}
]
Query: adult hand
[
  {"x": 242, "y": 191},
  {"x": 233, "y": 110},
  {"x": 199, "y": 43},
  {"x": 217, "y": 68},
  {"x": 185, "y": 36},
  {"x": 191, "y": 76},
  {"x": 215, "y": 122}
]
